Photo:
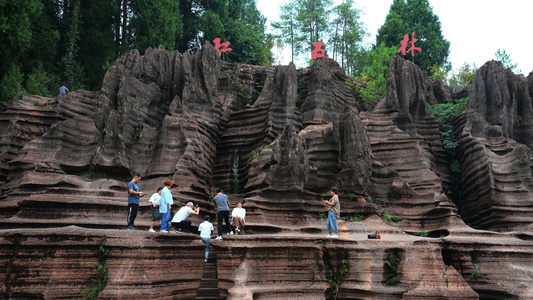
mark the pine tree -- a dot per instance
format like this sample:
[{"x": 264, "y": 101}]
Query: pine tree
[
  {"x": 313, "y": 19},
  {"x": 287, "y": 29},
  {"x": 348, "y": 35}
]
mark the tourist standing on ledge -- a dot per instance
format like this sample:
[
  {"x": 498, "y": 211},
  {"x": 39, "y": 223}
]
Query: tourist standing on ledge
[
  {"x": 133, "y": 201},
  {"x": 63, "y": 89},
  {"x": 238, "y": 214},
  {"x": 222, "y": 206},
  {"x": 206, "y": 229},
  {"x": 179, "y": 218},
  {"x": 154, "y": 207},
  {"x": 333, "y": 213},
  {"x": 165, "y": 205}
]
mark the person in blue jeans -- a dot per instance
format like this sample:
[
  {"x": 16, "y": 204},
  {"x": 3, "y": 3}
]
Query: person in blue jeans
[
  {"x": 206, "y": 229},
  {"x": 165, "y": 205},
  {"x": 222, "y": 206},
  {"x": 333, "y": 213}
]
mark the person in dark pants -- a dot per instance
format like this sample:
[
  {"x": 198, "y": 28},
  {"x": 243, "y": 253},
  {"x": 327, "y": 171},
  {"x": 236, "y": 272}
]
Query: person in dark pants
[
  {"x": 133, "y": 201},
  {"x": 179, "y": 218},
  {"x": 222, "y": 206}
]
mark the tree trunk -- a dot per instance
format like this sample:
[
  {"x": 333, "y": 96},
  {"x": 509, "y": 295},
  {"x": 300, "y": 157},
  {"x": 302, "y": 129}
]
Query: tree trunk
[
  {"x": 124, "y": 25},
  {"x": 72, "y": 41}
]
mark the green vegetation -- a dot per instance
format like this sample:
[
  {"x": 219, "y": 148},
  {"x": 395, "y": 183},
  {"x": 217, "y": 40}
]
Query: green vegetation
[
  {"x": 346, "y": 194},
  {"x": 505, "y": 58},
  {"x": 445, "y": 114},
  {"x": 387, "y": 217},
  {"x": 47, "y": 43},
  {"x": 99, "y": 279},
  {"x": 375, "y": 74},
  {"x": 458, "y": 78},
  {"x": 262, "y": 152},
  {"x": 321, "y": 216},
  {"x": 335, "y": 278},
  {"x": 442, "y": 239},
  {"x": 11, "y": 83},
  {"x": 476, "y": 273},
  {"x": 417, "y": 16},
  {"x": 391, "y": 269},
  {"x": 422, "y": 233},
  {"x": 304, "y": 22},
  {"x": 355, "y": 218}
]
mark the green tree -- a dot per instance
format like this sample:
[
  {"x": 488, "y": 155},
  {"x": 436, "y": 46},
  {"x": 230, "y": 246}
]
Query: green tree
[
  {"x": 72, "y": 73},
  {"x": 375, "y": 74},
  {"x": 155, "y": 23},
  {"x": 11, "y": 83},
  {"x": 505, "y": 58},
  {"x": 348, "y": 36},
  {"x": 236, "y": 21},
  {"x": 189, "y": 38},
  {"x": 97, "y": 45},
  {"x": 287, "y": 31},
  {"x": 245, "y": 29},
  {"x": 462, "y": 77},
  {"x": 15, "y": 26},
  {"x": 16, "y": 34},
  {"x": 313, "y": 19},
  {"x": 39, "y": 83},
  {"x": 407, "y": 16}
]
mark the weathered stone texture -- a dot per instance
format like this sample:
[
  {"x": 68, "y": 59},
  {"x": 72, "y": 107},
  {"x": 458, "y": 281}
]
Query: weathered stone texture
[
  {"x": 278, "y": 138},
  {"x": 495, "y": 151}
]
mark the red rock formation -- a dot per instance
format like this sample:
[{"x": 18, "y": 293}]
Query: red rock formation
[
  {"x": 495, "y": 149},
  {"x": 278, "y": 138}
]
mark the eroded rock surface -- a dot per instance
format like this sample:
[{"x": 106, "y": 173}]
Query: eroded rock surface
[
  {"x": 495, "y": 135},
  {"x": 278, "y": 138}
]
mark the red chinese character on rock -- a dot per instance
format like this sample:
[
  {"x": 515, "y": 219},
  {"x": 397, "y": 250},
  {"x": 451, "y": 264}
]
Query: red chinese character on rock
[
  {"x": 225, "y": 46},
  {"x": 412, "y": 49},
  {"x": 318, "y": 51}
]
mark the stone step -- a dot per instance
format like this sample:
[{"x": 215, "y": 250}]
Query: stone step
[{"x": 209, "y": 283}]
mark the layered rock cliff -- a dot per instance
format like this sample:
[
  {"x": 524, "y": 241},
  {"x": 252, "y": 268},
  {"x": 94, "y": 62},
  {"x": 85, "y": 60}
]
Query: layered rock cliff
[{"x": 277, "y": 138}]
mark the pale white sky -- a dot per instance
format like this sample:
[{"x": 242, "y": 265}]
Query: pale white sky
[{"x": 474, "y": 28}]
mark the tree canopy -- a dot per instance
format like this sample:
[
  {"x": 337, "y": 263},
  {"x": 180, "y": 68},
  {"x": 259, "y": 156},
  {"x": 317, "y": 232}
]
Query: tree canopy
[
  {"x": 407, "y": 16},
  {"x": 49, "y": 42},
  {"x": 304, "y": 22}
]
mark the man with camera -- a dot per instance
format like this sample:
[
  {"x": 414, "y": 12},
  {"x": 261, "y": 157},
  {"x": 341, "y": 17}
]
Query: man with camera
[{"x": 179, "y": 218}]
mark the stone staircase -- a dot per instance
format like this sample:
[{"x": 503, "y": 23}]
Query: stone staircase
[{"x": 209, "y": 284}]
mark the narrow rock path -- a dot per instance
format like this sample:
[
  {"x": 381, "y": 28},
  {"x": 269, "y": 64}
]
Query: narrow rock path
[{"x": 209, "y": 285}]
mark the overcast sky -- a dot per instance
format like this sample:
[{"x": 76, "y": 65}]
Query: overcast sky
[{"x": 474, "y": 28}]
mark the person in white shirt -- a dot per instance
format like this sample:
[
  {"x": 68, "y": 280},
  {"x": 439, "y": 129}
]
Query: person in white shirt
[
  {"x": 179, "y": 218},
  {"x": 154, "y": 201},
  {"x": 206, "y": 229},
  {"x": 238, "y": 214}
]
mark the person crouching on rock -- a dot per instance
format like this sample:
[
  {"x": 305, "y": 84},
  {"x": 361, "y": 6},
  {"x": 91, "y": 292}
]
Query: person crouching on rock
[
  {"x": 133, "y": 201},
  {"x": 333, "y": 213},
  {"x": 238, "y": 214},
  {"x": 179, "y": 218},
  {"x": 165, "y": 205},
  {"x": 154, "y": 207}
]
